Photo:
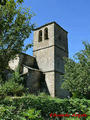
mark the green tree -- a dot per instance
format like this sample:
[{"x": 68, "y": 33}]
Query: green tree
[
  {"x": 13, "y": 85},
  {"x": 15, "y": 28},
  {"x": 77, "y": 73}
]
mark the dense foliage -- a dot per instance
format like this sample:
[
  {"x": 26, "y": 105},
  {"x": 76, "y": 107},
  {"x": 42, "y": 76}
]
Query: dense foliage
[
  {"x": 15, "y": 28},
  {"x": 17, "y": 107},
  {"x": 9, "y": 113},
  {"x": 77, "y": 73},
  {"x": 12, "y": 86}
]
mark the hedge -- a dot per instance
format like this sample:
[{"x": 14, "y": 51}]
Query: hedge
[{"x": 47, "y": 105}]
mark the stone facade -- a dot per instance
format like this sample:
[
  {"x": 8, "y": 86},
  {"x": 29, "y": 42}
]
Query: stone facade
[
  {"x": 29, "y": 69},
  {"x": 49, "y": 55},
  {"x": 44, "y": 70}
]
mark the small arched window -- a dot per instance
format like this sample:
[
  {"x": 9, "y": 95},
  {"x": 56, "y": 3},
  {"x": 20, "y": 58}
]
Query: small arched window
[
  {"x": 46, "y": 33},
  {"x": 40, "y": 36}
]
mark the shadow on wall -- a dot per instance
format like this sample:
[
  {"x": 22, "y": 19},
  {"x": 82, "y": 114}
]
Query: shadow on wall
[
  {"x": 35, "y": 82},
  {"x": 43, "y": 85}
]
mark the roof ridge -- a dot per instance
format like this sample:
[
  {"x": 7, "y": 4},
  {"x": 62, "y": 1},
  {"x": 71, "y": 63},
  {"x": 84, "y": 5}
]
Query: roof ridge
[{"x": 49, "y": 24}]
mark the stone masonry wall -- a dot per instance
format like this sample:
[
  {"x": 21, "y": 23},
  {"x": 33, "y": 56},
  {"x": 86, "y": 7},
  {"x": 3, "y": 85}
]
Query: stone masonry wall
[
  {"x": 61, "y": 50},
  {"x": 44, "y": 43},
  {"x": 60, "y": 92},
  {"x": 44, "y": 54}
]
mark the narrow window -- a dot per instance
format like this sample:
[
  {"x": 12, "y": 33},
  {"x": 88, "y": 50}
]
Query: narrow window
[
  {"x": 40, "y": 36},
  {"x": 46, "y": 33}
]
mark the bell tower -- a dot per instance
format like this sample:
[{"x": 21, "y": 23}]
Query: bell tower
[{"x": 50, "y": 46}]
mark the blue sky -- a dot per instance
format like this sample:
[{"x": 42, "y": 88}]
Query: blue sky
[{"x": 72, "y": 15}]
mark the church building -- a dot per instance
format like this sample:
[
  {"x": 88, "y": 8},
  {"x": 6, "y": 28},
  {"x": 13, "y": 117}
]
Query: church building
[{"x": 43, "y": 71}]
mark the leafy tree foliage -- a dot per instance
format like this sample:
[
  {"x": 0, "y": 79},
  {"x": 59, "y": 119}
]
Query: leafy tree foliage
[
  {"x": 33, "y": 107},
  {"x": 13, "y": 86},
  {"x": 15, "y": 28},
  {"x": 77, "y": 73},
  {"x": 2, "y": 2}
]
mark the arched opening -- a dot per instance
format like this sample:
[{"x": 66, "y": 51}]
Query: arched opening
[
  {"x": 46, "y": 33},
  {"x": 40, "y": 36}
]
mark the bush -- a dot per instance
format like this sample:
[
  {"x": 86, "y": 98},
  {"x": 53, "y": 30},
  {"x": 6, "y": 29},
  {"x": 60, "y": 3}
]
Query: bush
[
  {"x": 48, "y": 105},
  {"x": 32, "y": 114},
  {"x": 9, "y": 113},
  {"x": 12, "y": 86}
]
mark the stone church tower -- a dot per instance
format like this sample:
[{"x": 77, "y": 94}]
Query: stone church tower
[
  {"x": 43, "y": 71},
  {"x": 50, "y": 46}
]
